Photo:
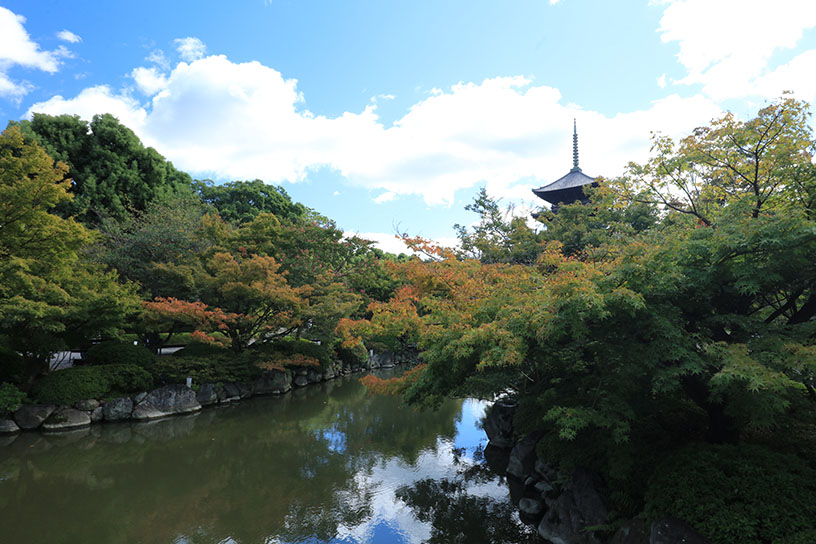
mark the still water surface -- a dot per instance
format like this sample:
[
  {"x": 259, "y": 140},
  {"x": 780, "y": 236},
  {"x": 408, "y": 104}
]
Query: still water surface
[{"x": 326, "y": 463}]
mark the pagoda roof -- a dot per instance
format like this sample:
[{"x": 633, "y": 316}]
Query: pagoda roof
[
  {"x": 567, "y": 188},
  {"x": 573, "y": 180}
]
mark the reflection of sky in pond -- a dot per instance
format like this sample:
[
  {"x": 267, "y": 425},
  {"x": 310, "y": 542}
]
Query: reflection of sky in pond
[
  {"x": 392, "y": 521},
  {"x": 334, "y": 438}
]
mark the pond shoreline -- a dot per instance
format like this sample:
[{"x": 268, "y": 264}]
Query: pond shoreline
[{"x": 173, "y": 399}]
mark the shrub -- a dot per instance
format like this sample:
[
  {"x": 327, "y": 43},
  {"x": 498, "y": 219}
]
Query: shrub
[
  {"x": 197, "y": 349},
  {"x": 11, "y": 398},
  {"x": 119, "y": 353},
  {"x": 736, "y": 493},
  {"x": 206, "y": 364},
  {"x": 91, "y": 382}
]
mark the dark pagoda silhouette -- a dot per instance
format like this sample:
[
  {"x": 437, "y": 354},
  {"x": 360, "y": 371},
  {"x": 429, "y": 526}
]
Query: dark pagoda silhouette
[{"x": 569, "y": 188}]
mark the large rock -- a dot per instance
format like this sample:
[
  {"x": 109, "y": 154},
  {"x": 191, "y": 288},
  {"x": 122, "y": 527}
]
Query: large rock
[
  {"x": 314, "y": 376},
  {"x": 674, "y": 531},
  {"x": 581, "y": 504},
  {"x": 523, "y": 456},
  {"x": 87, "y": 405},
  {"x": 244, "y": 390},
  {"x": 66, "y": 418},
  {"x": 301, "y": 380},
  {"x": 167, "y": 401},
  {"x": 273, "y": 381},
  {"x": 117, "y": 409},
  {"x": 532, "y": 508},
  {"x": 498, "y": 423},
  {"x": 98, "y": 414},
  {"x": 206, "y": 395},
  {"x": 32, "y": 416},
  {"x": 8, "y": 426},
  {"x": 228, "y": 392}
]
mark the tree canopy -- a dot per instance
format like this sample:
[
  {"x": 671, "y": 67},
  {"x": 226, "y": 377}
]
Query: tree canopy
[
  {"x": 677, "y": 305},
  {"x": 50, "y": 297},
  {"x": 111, "y": 171}
]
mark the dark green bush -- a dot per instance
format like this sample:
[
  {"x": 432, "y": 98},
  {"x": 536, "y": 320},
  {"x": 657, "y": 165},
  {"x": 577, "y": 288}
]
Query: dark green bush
[
  {"x": 12, "y": 366},
  {"x": 197, "y": 349},
  {"x": 119, "y": 353},
  {"x": 91, "y": 382},
  {"x": 11, "y": 398},
  {"x": 736, "y": 493},
  {"x": 206, "y": 364}
]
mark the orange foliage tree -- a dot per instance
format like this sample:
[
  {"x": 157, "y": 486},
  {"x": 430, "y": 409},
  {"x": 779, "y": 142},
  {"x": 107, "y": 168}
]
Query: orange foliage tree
[{"x": 242, "y": 299}]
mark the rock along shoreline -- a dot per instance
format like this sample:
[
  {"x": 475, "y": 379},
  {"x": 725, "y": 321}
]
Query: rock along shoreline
[{"x": 176, "y": 399}]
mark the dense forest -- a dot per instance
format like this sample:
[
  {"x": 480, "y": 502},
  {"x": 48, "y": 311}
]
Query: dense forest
[{"x": 662, "y": 335}]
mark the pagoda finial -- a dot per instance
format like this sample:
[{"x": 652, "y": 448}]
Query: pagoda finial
[{"x": 575, "y": 167}]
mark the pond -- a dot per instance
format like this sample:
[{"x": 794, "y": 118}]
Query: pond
[{"x": 326, "y": 463}]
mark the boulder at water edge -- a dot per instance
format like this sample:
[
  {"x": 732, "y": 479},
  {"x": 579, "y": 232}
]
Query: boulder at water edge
[
  {"x": 498, "y": 423},
  {"x": 8, "y": 426},
  {"x": 32, "y": 416},
  {"x": 580, "y": 505},
  {"x": 167, "y": 401},
  {"x": 117, "y": 409},
  {"x": 66, "y": 418},
  {"x": 87, "y": 405},
  {"x": 273, "y": 381},
  {"x": 523, "y": 456},
  {"x": 206, "y": 395}
]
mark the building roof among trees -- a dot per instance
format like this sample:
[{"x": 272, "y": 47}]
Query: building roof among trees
[{"x": 565, "y": 188}]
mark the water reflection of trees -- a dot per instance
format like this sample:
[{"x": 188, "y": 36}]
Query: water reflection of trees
[
  {"x": 273, "y": 467},
  {"x": 457, "y": 515}
]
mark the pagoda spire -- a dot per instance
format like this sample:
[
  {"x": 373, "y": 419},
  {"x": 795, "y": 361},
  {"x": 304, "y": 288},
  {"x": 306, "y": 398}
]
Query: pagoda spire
[{"x": 575, "y": 167}]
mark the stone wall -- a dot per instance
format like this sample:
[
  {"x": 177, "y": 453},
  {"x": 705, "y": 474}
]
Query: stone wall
[{"x": 175, "y": 399}]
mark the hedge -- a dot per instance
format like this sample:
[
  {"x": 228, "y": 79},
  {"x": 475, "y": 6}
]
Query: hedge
[{"x": 92, "y": 382}]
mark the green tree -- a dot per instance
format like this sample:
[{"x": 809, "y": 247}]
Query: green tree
[
  {"x": 241, "y": 201},
  {"x": 500, "y": 236},
  {"x": 111, "y": 172},
  {"x": 50, "y": 296},
  {"x": 700, "y": 325}
]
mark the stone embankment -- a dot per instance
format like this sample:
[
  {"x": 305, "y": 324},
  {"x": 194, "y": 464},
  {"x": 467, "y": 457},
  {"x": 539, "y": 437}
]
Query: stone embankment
[
  {"x": 176, "y": 399},
  {"x": 564, "y": 506}
]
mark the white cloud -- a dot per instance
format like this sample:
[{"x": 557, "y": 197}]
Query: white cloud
[
  {"x": 158, "y": 58},
  {"x": 387, "y": 196},
  {"x": 225, "y": 120},
  {"x": 13, "y": 90},
  {"x": 68, "y": 36},
  {"x": 725, "y": 45},
  {"x": 190, "y": 48},
  {"x": 661, "y": 81},
  {"x": 17, "y": 49},
  {"x": 16, "y": 46},
  {"x": 149, "y": 80},
  {"x": 93, "y": 100}
]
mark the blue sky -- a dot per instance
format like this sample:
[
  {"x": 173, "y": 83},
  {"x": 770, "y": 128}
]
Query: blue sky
[{"x": 393, "y": 114}]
